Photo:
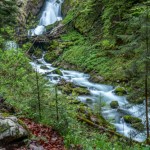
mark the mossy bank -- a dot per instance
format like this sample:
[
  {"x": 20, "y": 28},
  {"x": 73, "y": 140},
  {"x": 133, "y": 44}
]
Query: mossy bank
[{"x": 105, "y": 39}]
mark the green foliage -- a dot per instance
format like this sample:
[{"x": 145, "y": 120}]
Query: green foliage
[
  {"x": 7, "y": 12},
  {"x": 18, "y": 81}
]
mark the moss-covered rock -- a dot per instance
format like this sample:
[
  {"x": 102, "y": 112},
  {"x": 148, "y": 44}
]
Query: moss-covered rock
[
  {"x": 131, "y": 119},
  {"x": 138, "y": 126},
  {"x": 44, "y": 67},
  {"x": 74, "y": 101},
  {"x": 69, "y": 88},
  {"x": 57, "y": 71},
  {"x": 120, "y": 91},
  {"x": 81, "y": 91},
  {"x": 89, "y": 101},
  {"x": 114, "y": 104},
  {"x": 135, "y": 122}
]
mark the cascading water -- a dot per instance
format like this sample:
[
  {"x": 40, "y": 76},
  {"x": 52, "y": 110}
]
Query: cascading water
[
  {"x": 50, "y": 14},
  {"x": 115, "y": 116}
]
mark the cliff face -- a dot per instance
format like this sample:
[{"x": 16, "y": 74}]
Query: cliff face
[{"x": 28, "y": 7}]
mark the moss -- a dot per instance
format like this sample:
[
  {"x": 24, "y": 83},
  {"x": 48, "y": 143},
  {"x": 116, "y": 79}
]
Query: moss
[
  {"x": 89, "y": 101},
  {"x": 139, "y": 126},
  {"x": 53, "y": 45},
  {"x": 131, "y": 119},
  {"x": 38, "y": 53},
  {"x": 57, "y": 71},
  {"x": 4, "y": 128},
  {"x": 114, "y": 104},
  {"x": 50, "y": 56},
  {"x": 120, "y": 91},
  {"x": 44, "y": 67},
  {"x": 5, "y": 114},
  {"x": 74, "y": 101},
  {"x": 81, "y": 91}
]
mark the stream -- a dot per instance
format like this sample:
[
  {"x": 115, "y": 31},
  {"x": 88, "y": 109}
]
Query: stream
[
  {"x": 99, "y": 92},
  {"x": 51, "y": 13}
]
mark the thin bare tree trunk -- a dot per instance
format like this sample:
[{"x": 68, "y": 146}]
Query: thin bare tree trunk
[
  {"x": 38, "y": 95},
  {"x": 146, "y": 77},
  {"x": 56, "y": 96}
]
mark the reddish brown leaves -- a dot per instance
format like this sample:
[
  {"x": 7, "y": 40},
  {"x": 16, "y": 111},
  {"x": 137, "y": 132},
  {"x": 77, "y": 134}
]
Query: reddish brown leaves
[{"x": 47, "y": 138}]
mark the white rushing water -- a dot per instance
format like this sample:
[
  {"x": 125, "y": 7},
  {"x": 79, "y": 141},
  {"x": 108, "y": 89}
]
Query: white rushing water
[
  {"x": 98, "y": 92},
  {"x": 50, "y": 14}
]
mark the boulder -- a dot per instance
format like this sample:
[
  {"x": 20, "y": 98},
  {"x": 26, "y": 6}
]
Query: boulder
[
  {"x": 89, "y": 101},
  {"x": 11, "y": 129},
  {"x": 120, "y": 91},
  {"x": 138, "y": 126},
  {"x": 44, "y": 67},
  {"x": 131, "y": 119},
  {"x": 81, "y": 91},
  {"x": 97, "y": 79},
  {"x": 57, "y": 71},
  {"x": 114, "y": 104},
  {"x": 135, "y": 122}
]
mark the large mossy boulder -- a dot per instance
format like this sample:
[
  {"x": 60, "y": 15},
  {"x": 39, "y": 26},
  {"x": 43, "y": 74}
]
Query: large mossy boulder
[
  {"x": 135, "y": 122},
  {"x": 11, "y": 129},
  {"x": 89, "y": 101},
  {"x": 138, "y": 126},
  {"x": 131, "y": 119},
  {"x": 57, "y": 71},
  {"x": 120, "y": 91},
  {"x": 81, "y": 91},
  {"x": 114, "y": 104},
  {"x": 69, "y": 88}
]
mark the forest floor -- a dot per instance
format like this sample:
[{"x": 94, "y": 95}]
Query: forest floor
[{"x": 41, "y": 137}]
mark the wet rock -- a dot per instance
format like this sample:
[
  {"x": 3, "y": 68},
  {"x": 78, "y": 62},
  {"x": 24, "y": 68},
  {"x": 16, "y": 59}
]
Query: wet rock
[
  {"x": 57, "y": 71},
  {"x": 138, "y": 126},
  {"x": 81, "y": 91},
  {"x": 114, "y": 104},
  {"x": 123, "y": 111},
  {"x": 97, "y": 79},
  {"x": 10, "y": 129},
  {"x": 44, "y": 67},
  {"x": 89, "y": 101},
  {"x": 131, "y": 119},
  {"x": 135, "y": 122},
  {"x": 120, "y": 91},
  {"x": 74, "y": 101}
]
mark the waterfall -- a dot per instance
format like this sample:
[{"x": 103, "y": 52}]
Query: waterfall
[{"x": 50, "y": 14}]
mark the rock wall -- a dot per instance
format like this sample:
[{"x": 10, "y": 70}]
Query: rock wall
[{"x": 28, "y": 7}]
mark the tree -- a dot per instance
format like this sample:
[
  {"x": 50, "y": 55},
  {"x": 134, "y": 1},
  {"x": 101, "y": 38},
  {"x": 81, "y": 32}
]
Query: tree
[{"x": 7, "y": 12}]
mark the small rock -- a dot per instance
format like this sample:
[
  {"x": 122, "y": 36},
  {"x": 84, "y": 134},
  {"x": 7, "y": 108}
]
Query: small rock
[
  {"x": 57, "y": 71},
  {"x": 89, "y": 101},
  {"x": 114, "y": 104},
  {"x": 120, "y": 91}
]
